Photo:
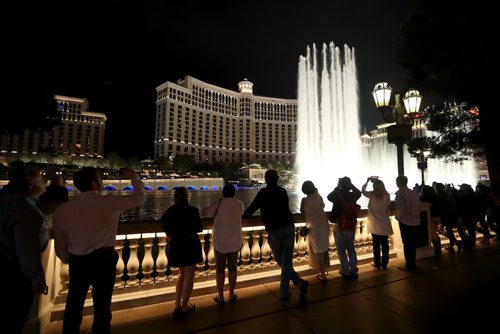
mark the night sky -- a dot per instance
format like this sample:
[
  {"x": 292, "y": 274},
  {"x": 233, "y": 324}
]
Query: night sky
[{"x": 115, "y": 53}]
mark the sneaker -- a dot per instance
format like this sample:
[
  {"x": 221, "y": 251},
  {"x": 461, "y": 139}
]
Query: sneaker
[
  {"x": 286, "y": 297},
  {"x": 344, "y": 275},
  {"x": 411, "y": 267},
  {"x": 349, "y": 276}
]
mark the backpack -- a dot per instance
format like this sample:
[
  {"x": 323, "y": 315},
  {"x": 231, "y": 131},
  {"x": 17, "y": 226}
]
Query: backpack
[{"x": 348, "y": 216}]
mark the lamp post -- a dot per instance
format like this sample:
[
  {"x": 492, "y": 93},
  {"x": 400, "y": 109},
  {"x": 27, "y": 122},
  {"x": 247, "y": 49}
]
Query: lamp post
[
  {"x": 400, "y": 132},
  {"x": 422, "y": 164}
]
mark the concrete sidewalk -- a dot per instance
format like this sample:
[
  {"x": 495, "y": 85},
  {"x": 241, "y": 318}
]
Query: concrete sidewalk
[{"x": 447, "y": 293}]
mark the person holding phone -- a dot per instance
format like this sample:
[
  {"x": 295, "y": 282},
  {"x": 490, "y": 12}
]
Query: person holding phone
[{"x": 84, "y": 235}]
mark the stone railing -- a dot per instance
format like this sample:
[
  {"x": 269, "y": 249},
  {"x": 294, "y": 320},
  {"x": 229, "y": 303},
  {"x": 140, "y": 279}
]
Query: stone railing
[{"x": 144, "y": 277}]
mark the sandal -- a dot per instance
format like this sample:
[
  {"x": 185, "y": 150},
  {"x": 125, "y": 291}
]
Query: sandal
[
  {"x": 177, "y": 311},
  {"x": 233, "y": 299},
  {"x": 219, "y": 301},
  {"x": 321, "y": 279},
  {"x": 190, "y": 308}
]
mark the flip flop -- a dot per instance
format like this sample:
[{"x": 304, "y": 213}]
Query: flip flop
[
  {"x": 219, "y": 301},
  {"x": 233, "y": 299}
]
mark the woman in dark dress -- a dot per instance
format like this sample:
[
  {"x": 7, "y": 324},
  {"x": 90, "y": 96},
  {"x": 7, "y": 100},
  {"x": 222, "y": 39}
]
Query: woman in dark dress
[{"x": 181, "y": 222}]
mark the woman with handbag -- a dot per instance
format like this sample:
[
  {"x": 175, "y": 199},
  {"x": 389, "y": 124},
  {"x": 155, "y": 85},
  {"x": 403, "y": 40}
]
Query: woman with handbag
[
  {"x": 344, "y": 216},
  {"x": 312, "y": 207},
  {"x": 227, "y": 239}
]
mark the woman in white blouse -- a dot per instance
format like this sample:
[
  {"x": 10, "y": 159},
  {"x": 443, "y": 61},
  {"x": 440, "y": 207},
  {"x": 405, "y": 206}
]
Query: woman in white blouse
[
  {"x": 227, "y": 239},
  {"x": 312, "y": 207},
  {"x": 379, "y": 224}
]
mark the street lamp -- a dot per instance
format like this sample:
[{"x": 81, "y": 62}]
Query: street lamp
[
  {"x": 422, "y": 163},
  {"x": 400, "y": 132}
]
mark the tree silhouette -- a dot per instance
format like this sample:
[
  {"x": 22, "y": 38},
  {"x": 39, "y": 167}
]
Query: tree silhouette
[{"x": 449, "y": 50}]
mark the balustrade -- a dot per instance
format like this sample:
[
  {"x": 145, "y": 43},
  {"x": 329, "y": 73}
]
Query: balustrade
[{"x": 143, "y": 258}]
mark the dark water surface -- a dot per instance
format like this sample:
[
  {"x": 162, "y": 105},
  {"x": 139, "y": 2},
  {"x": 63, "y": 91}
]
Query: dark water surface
[{"x": 159, "y": 201}]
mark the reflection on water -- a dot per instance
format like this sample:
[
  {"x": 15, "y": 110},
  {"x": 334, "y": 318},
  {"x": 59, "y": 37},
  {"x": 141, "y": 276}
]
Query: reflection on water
[{"x": 157, "y": 202}]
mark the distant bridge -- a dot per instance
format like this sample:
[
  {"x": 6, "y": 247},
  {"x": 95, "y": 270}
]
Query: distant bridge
[{"x": 203, "y": 184}]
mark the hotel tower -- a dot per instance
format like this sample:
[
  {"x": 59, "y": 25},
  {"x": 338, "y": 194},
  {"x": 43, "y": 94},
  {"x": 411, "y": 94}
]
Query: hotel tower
[
  {"x": 214, "y": 124},
  {"x": 79, "y": 133}
]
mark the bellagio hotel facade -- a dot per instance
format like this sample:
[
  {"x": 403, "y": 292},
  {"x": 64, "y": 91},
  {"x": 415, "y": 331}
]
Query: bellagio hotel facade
[{"x": 214, "y": 124}]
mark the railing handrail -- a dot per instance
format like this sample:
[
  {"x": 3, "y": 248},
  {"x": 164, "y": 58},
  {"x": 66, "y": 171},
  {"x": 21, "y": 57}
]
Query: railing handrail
[{"x": 155, "y": 226}]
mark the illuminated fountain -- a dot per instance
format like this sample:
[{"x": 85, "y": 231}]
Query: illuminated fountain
[{"x": 329, "y": 142}]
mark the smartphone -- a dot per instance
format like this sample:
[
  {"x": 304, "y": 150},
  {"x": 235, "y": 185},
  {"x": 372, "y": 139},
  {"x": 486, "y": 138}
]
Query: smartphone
[{"x": 374, "y": 177}]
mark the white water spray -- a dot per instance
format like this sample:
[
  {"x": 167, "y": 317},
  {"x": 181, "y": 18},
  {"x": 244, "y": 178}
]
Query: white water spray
[{"x": 328, "y": 137}]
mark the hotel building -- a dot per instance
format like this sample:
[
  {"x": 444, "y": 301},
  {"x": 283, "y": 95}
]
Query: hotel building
[
  {"x": 80, "y": 133},
  {"x": 214, "y": 124}
]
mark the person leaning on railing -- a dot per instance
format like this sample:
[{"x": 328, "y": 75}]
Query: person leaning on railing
[{"x": 278, "y": 220}]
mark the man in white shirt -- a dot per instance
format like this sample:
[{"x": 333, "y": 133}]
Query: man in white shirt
[
  {"x": 84, "y": 234},
  {"x": 408, "y": 216}
]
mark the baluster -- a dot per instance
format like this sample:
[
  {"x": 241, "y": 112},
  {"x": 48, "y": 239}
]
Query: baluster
[
  {"x": 133, "y": 262},
  {"x": 201, "y": 265},
  {"x": 364, "y": 235},
  {"x": 357, "y": 238},
  {"x": 245, "y": 250},
  {"x": 302, "y": 244},
  {"x": 255, "y": 248},
  {"x": 161, "y": 260},
  {"x": 174, "y": 273},
  {"x": 370, "y": 242},
  {"x": 64, "y": 276},
  {"x": 120, "y": 265},
  {"x": 331, "y": 241},
  {"x": 295, "y": 244},
  {"x": 266, "y": 249},
  {"x": 147, "y": 261},
  {"x": 211, "y": 254}
]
